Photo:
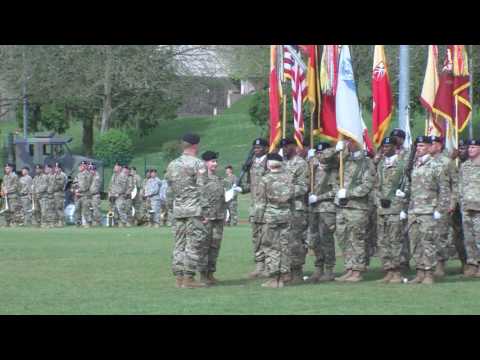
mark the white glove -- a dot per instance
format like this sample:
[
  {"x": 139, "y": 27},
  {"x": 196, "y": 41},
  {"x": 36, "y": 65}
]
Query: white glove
[
  {"x": 399, "y": 193},
  {"x": 312, "y": 199},
  {"x": 311, "y": 154},
  {"x": 340, "y": 146},
  {"x": 437, "y": 215},
  {"x": 237, "y": 189},
  {"x": 342, "y": 193},
  {"x": 403, "y": 215}
]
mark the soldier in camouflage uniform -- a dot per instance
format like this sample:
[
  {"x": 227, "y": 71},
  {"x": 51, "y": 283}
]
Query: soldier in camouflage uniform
[
  {"x": 298, "y": 169},
  {"x": 137, "y": 202},
  {"x": 213, "y": 193},
  {"x": 186, "y": 176},
  {"x": 128, "y": 199},
  {"x": 257, "y": 170},
  {"x": 232, "y": 205},
  {"x": 25, "y": 193},
  {"x": 94, "y": 194},
  {"x": 274, "y": 210},
  {"x": 118, "y": 194},
  {"x": 81, "y": 188},
  {"x": 39, "y": 192},
  {"x": 352, "y": 210},
  {"x": 469, "y": 190},
  {"x": 391, "y": 205},
  {"x": 429, "y": 197},
  {"x": 323, "y": 212},
  {"x": 443, "y": 225},
  {"x": 146, "y": 201},
  {"x": 10, "y": 193},
  {"x": 152, "y": 197},
  {"x": 59, "y": 180},
  {"x": 50, "y": 198}
]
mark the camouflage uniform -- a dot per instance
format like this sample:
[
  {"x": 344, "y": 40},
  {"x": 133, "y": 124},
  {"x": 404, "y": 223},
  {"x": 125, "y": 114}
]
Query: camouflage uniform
[
  {"x": 119, "y": 186},
  {"x": 405, "y": 255},
  {"x": 165, "y": 201},
  {"x": 213, "y": 193},
  {"x": 128, "y": 199},
  {"x": 25, "y": 192},
  {"x": 146, "y": 202},
  {"x": 39, "y": 191},
  {"x": 186, "y": 175},
  {"x": 10, "y": 186},
  {"x": 58, "y": 182},
  {"x": 232, "y": 205},
  {"x": 95, "y": 200},
  {"x": 152, "y": 194},
  {"x": 298, "y": 170},
  {"x": 137, "y": 202},
  {"x": 82, "y": 183},
  {"x": 429, "y": 191},
  {"x": 351, "y": 232}
]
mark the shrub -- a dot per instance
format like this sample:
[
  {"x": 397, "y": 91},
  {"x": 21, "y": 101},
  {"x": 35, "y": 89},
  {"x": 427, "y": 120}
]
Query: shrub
[
  {"x": 114, "y": 145},
  {"x": 171, "y": 150}
]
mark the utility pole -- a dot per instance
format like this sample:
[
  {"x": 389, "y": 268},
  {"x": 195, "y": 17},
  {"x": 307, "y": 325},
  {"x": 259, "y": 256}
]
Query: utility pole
[
  {"x": 404, "y": 89},
  {"x": 470, "y": 67},
  {"x": 24, "y": 94}
]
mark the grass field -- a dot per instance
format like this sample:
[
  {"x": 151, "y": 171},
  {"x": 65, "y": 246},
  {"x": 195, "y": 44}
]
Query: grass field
[{"x": 112, "y": 271}]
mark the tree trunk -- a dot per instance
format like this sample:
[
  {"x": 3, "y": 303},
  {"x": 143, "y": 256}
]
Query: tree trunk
[
  {"x": 36, "y": 118},
  {"x": 88, "y": 136},
  {"x": 107, "y": 91}
]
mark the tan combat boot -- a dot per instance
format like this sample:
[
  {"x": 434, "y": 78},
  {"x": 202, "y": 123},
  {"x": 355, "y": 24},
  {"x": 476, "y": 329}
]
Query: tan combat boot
[
  {"x": 327, "y": 276},
  {"x": 211, "y": 280},
  {"x": 478, "y": 272},
  {"x": 470, "y": 270},
  {"x": 418, "y": 278},
  {"x": 190, "y": 283},
  {"x": 396, "y": 277},
  {"x": 344, "y": 276},
  {"x": 317, "y": 274},
  {"x": 259, "y": 271},
  {"x": 204, "y": 277},
  {"x": 273, "y": 283},
  {"x": 355, "y": 277},
  {"x": 428, "y": 280},
  {"x": 178, "y": 281},
  {"x": 156, "y": 226},
  {"x": 388, "y": 276},
  {"x": 297, "y": 276},
  {"x": 440, "y": 269}
]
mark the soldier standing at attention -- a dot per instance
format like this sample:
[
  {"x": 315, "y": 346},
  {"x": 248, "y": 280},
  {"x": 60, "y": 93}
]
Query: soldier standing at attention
[
  {"x": 274, "y": 209},
  {"x": 128, "y": 199},
  {"x": 146, "y": 204},
  {"x": 232, "y": 205},
  {"x": 94, "y": 192},
  {"x": 257, "y": 170},
  {"x": 298, "y": 169},
  {"x": 50, "y": 199},
  {"x": 213, "y": 193},
  {"x": 59, "y": 181},
  {"x": 469, "y": 190},
  {"x": 429, "y": 197},
  {"x": 442, "y": 229},
  {"x": 391, "y": 205},
  {"x": 152, "y": 196},
  {"x": 39, "y": 192},
  {"x": 9, "y": 190},
  {"x": 118, "y": 194},
  {"x": 81, "y": 188},
  {"x": 25, "y": 192},
  {"x": 323, "y": 212},
  {"x": 352, "y": 210},
  {"x": 137, "y": 201},
  {"x": 186, "y": 175}
]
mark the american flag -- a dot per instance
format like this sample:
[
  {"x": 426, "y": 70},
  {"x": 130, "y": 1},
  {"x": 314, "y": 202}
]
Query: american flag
[{"x": 295, "y": 70}]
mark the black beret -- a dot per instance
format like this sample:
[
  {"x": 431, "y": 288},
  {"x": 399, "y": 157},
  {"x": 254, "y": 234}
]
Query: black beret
[
  {"x": 193, "y": 139},
  {"x": 287, "y": 141},
  {"x": 274, "y": 156},
  {"x": 423, "y": 139},
  {"x": 133, "y": 168},
  {"x": 26, "y": 168},
  {"x": 83, "y": 162},
  {"x": 9, "y": 165},
  {"x": 153, "y": 170},
  {"x": 209, "y": 155},
  {"x": 475, "y": 142},
  {"x": 322, "y": 146},
  {"x": 126, "y": 167},
  {"x": 389, "y": 140},
  {"x": 463, "y": 142},
  {"x": 260, "y": 141},
  {"x": 47, "y": 165},
  {"x": 434, "y": 138},
  {"x": 399, "y": 133},
  {"x": 38, "y": 166}
]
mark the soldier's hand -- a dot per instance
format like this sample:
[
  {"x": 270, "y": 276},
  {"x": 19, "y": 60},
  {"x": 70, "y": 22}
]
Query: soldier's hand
[
  {"x": 342, "y": 193},
  {"x": 312, "y": 199},
  {"x": 403, "y": 215},
  {"x": 399, "y": 193},
  {"x": 311, "y": 154},
  {"x": 204, "y": 221},
  {"x": 340, "y": 146},
  {"x": 437, "y": 215}
]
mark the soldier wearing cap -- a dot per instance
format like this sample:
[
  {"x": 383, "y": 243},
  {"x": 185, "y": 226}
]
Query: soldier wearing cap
[
  {"x": 58, "y": 183},
  {"x": 450, "y": 171},
  {"x": 391, "y": 206},
  {"x": 429, "y": 196},
  {"x": 49, "y": 202},
  {"x": 276, "y": 193},
  {"x": 214, "y": 209},
  {"x": 39, "y": 193},
  {"x": 94, "y": 195},
  {"x": 399, "y": 136},
  {"x": 469, "y": 190},
  {"x": 128, "y": 206},
  {"x": 25, "y": 196},
  {"x": 137, "y": 201},
  {"x": 298, "y": 169},
  {"x": 257, "y": 170},
  {"x": 81, "y": 190},
  {"x": 118, "y": 195},
  {"x": 186, "y": 176},
  {"x": 152, "y": 198},
  {"x": 323, "y": 212},
  {"x": 146, "y": 201},
  {"x": 232, "y": 205},
  {"x": 9, "y": 191}
]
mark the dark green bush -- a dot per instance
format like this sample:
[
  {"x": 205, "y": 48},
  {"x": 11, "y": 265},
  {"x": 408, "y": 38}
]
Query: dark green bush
[{"x": 114, "y": 145}]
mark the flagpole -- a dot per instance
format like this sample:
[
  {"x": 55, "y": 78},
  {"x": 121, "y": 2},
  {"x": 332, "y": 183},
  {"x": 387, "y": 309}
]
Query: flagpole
[
  {"x": 456, "y": 126},
  {"x": 470, "y": 125}
]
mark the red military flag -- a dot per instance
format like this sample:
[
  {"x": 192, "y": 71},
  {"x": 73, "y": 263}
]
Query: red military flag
[
  {"x": 328, "y": 87},
  {"x": 461, "y": 84},
  {"x": 313, "y": 86},
  {"x": 429, "y": 91},
  {"x": 274, "y": 95},
  {"x": 381, "y": 95},
  {"x": 443, "y": 105}
]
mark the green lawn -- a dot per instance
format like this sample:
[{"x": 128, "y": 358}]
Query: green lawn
[{"x": 113, "y": 271}]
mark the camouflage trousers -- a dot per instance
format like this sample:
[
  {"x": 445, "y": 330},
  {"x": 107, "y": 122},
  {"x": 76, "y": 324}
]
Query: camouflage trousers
[
  {"x": 156, "y": 208},
  {"x": 471, "y": 229},
  {"x": 121, "y": 210},
  {"x": 350, "y": 235},
  {"x": 129, "y": 210},
  {"x": 298, "y": 238},
  {"x": 232, "y": 207},
  {"x": 26, "y": 206},
  {"x": 165, "y": 214},
  {"x": 214, "y": 239},
  {"x": 95, "y": 202},
  {"x": 322, "y": 229},
  {"x": 276, "y": 248},
  {"x": 257, "y": 240},
  {"x": 190, "y": 246},
  {"x": 139, "y": 206},
  {"x": 456, "y": 236},
  {"x": 441, "y": 237},
  {"x": 421, "y": 232},
  {"x": 390, "y": 240},
  {"x": 58, "y": 207},
  {"x": 45, "y": 210},
  {"x": 82, "y": 209},
  {"x": 372, "y": 237},
  {"x": 37, "y": 213},
  {"x": 14, "y": 207},
  {"x": 405, "y": 253}
]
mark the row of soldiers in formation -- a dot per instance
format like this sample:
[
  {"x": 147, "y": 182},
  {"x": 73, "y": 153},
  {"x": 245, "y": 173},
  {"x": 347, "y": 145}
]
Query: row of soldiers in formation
[{"x": 410, "y": 204}]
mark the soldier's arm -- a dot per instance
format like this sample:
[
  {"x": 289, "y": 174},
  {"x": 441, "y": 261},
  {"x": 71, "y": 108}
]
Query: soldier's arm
[
  {"x": 301, "y": 181},
  {"x": 261, "y": 204},
  {"x": 246, "y": 184},
  {"x": 454, "y": 174},
  {"x": 377, "y": 194},
  {"x": 443, "y": 186},
  {"x": 366, "y": 184}
]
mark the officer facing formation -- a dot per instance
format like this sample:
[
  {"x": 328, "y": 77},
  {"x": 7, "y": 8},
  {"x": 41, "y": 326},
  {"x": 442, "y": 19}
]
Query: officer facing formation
[
  {"x": 232, "y": 205},
  {"x": 151, "y": 195},
  {"x": 94, "y": 192},
  {"x": 118, "y": 195},
  {"x": 9, "y": 192},
  {"x": 81, "y": 188},
  {"x": 25, "y": 194}
]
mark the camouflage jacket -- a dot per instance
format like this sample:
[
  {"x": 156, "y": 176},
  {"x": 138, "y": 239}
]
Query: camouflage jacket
[
  {"x": 119, "y": 185},
  {"x": 276, "y": 193},
  {"x": 25, "y": 185},
  {"x": 144, "y": 185},
  {"x": 230, "y": 181},
  {"x": 152, "y": 188},
  {"x": 359, "y": 179},
  {"x": 185, "y": 176},
  {"x": 451, "y": 172},
  {"x": 40, "y": 185},
  {"x": 326, "y": 181},
  {"x": 469, "y": 186},
  {"x": 95, "y": 184},
  {"x": 390, "y": 172},
  {"x": 131, "y": 186},
  {"x": 213, "y": 193},
  {"x": 57, "y": 183},
  {"x": 258, "y": 169},
  {"x": 10, "y": 183},
  {"x": 428, "y": 189},
  {"x": 299, "y": 171},
  {"x": 82, "y": 182}
]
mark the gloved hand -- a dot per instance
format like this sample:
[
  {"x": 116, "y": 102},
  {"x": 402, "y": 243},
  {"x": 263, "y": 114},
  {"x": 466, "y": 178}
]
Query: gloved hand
[
  {"x": 399, "y": 193},
  {"x": 403, "y": 215},
  {"x": 340, "y": 146},
  {"x": 237, "y": 189},
  {"x": 342, "y": 193},
  {"x": 311, "y": 154},
  {"x": 312, "y": 199},
  {"x": 437, "y": 215}
]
